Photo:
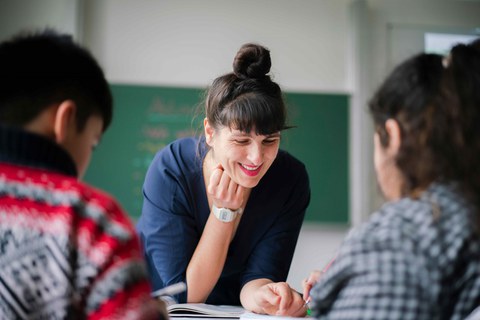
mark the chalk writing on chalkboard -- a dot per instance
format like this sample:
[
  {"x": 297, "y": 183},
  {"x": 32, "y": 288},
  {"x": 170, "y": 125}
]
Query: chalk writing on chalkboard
[{"x": 163, "y": 122}]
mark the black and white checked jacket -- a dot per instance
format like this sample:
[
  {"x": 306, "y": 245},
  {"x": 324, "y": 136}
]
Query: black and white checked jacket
[{"x": 414, "y": 259}]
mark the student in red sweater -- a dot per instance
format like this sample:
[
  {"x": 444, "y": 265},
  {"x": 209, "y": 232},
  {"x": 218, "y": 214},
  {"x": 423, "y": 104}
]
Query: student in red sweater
[{"x": 67, "y": 250}]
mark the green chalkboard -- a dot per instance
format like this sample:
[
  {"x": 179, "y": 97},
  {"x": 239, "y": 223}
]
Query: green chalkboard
[
  {"x": 146, "y": 118},
  {"x": 320, "y": 141}
]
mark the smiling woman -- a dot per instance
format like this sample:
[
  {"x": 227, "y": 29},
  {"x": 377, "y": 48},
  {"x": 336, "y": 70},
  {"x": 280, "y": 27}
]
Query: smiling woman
[{"x": 223, "y": 212}]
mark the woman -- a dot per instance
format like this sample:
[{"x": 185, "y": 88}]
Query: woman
[
  {"x": 223, "y": 212},
  {"x": 418, "y": 257}
]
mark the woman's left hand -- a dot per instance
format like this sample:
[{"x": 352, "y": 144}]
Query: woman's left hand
[{"x": 275, "y": 298}]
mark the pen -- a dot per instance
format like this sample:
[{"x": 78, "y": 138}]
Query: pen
[
  {"x": 170, "y": 290},
  {"x": 306, "y": 305}
]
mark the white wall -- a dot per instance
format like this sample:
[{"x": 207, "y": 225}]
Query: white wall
[
  {"x": 16, "y": 15},
  {"x": 190, "y": 42},
  {"x": 316, "y": 247}
]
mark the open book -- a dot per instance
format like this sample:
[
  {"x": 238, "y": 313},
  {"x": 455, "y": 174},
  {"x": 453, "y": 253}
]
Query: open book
[{"x": 202, "y": 310}]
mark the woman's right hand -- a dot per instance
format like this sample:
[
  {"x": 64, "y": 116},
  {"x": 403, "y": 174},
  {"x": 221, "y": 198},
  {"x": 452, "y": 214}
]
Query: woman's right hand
[
  {"x": 309, "y": 282},
  {"x": 224, "y": 191}
]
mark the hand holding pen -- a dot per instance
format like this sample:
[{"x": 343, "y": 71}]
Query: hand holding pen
[
  {"x": 309, "y": 282},
  {"x": 307, "y": 285}
]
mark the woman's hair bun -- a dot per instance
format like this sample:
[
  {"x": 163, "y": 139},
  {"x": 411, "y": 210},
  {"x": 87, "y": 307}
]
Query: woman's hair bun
[{"x": 252, "y": 61}]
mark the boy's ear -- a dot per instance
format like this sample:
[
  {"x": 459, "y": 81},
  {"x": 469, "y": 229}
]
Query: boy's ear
[
  {"x": 394, "y": 136},
  {"x": 64, "y": 122},
  {"x": 209, "y": 131}
]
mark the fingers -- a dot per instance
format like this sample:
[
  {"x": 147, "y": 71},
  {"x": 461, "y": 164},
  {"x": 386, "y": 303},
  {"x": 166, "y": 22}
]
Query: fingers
[
  {"x": 215, "y": 178},
  {"x": 219, "y": 183},
  {"x": 285, "y": 293},
  {"x": 306, "y": 291},
  {"x": 298, "y": 307},
  {"x": 225, "y": 192},
  {"x": 314, "y": 276},
  {"x": 293, "y": 305},
  {"x": 267, "y": 299},
  {"x": 271, "y": 298},
  {"x": 309, "y": 282},
  {"x": 281, "y": 300}
]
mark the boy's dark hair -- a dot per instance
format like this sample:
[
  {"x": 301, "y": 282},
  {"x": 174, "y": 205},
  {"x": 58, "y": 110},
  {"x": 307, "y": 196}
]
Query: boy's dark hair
[{"x": 43, "y": 68}]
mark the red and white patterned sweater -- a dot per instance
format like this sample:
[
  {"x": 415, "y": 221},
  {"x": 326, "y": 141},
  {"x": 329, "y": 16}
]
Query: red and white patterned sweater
[{"x": 67, "y": 250}]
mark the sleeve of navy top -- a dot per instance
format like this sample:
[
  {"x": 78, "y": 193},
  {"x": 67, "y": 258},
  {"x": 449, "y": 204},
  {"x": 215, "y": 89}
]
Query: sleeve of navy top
[
  {"x": 166, "y": 227},
  {"x": 273, "y": 254}
]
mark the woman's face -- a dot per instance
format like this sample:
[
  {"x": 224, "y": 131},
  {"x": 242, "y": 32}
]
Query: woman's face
[{"x": 245, "y": 157}]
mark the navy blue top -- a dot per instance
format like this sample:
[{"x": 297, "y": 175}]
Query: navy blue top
[{"x": 175, "y": 211}]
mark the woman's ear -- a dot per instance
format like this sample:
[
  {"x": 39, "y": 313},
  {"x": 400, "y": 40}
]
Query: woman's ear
[
  {"x": 64, "y": 122},
  {"x": 209, "y": 131},
  {"x": 394, "y": 136}
]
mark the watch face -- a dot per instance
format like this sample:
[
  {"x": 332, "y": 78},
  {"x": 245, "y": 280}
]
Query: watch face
[{"x": 225, "y": 215}]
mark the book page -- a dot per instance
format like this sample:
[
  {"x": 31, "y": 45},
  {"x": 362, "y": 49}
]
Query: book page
[{"x": 197, "y": 310}]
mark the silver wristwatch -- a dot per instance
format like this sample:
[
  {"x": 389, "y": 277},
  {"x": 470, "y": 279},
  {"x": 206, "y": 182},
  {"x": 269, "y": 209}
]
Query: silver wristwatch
[{"x": 226, "y": 215}]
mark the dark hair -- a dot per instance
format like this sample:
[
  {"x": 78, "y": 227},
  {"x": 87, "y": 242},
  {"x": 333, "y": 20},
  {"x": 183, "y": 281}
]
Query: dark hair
[
  {"x": 42, "y": 68},
  {"x": 247, "y": 98},
  {"x": 463, "y": 76},
  {"x": 438, "y": 110}
]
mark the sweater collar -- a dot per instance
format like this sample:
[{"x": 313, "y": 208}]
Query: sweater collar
[{"x": 20, "y": 147}]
